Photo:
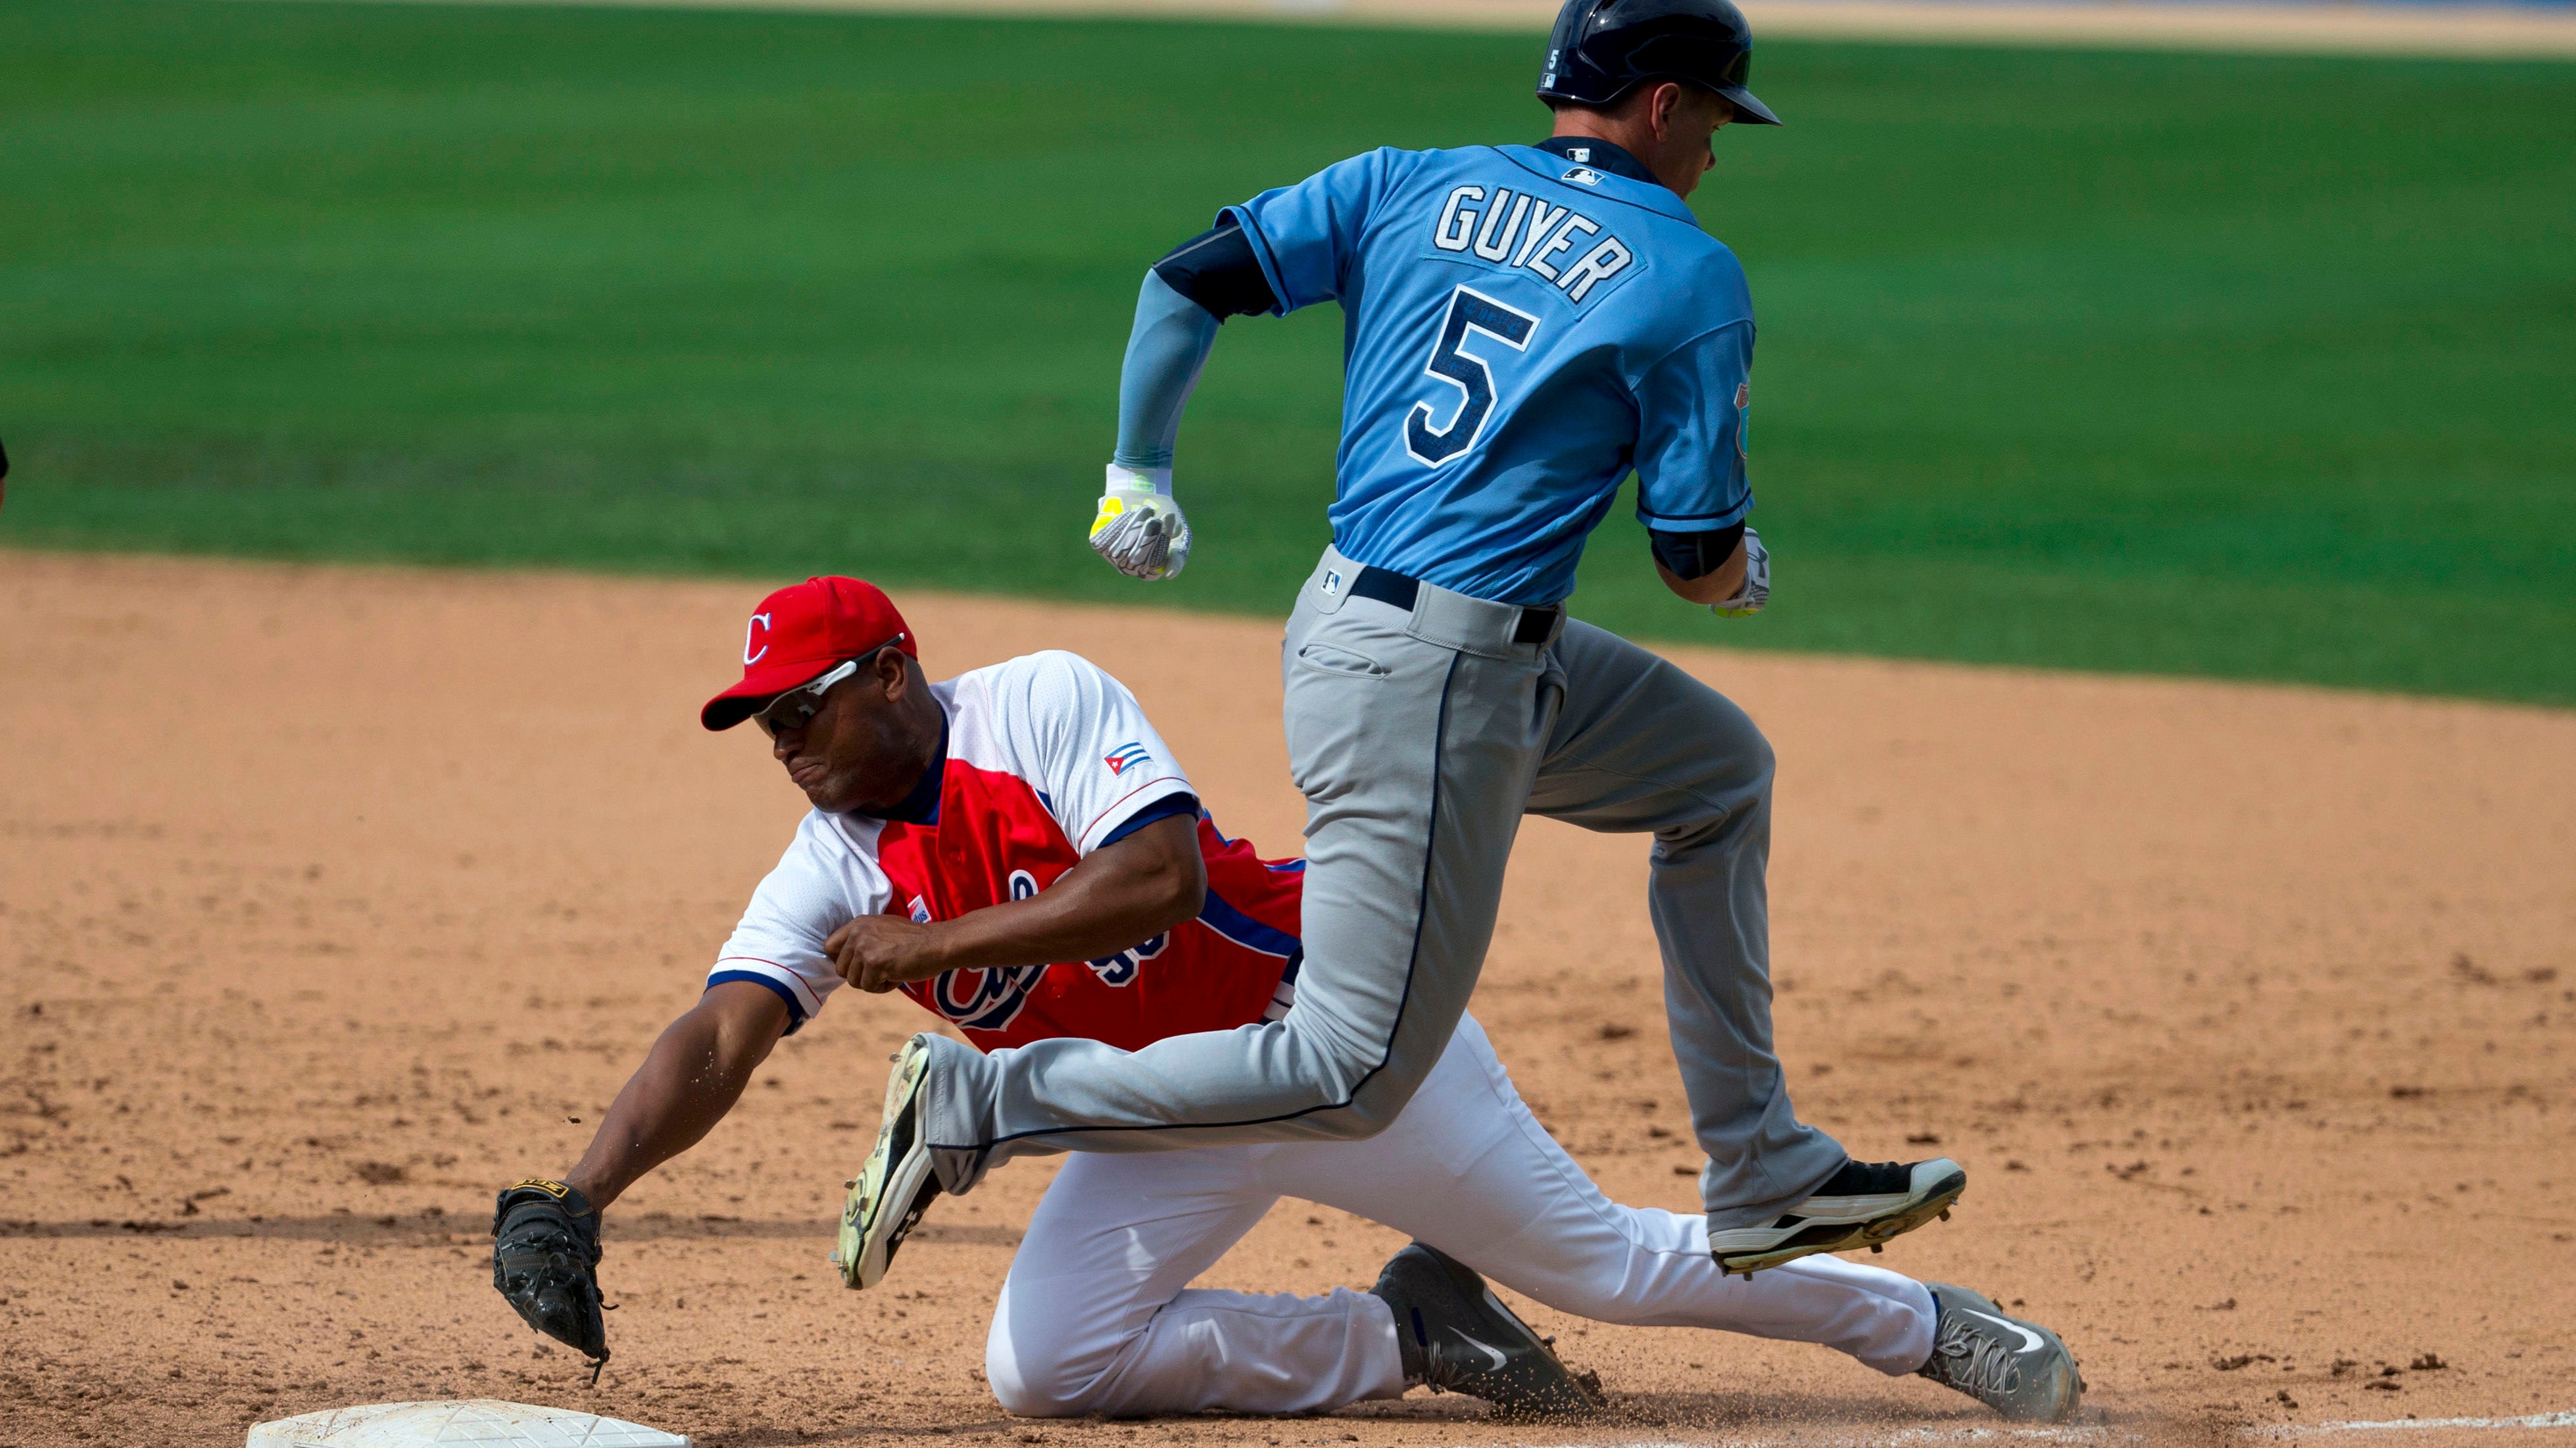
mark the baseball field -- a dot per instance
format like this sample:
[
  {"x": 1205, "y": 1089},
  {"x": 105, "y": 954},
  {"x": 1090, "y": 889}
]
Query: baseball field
[
  {"x": 2168, "y": 466},
  {"x": 2182, "y": 363}
]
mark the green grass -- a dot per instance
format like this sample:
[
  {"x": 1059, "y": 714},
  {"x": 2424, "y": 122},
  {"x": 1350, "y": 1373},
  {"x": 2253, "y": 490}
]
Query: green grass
[{"x": 2257, "y": 367}]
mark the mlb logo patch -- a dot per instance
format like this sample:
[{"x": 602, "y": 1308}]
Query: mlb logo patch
[
  {"x": 1332, "y": 582},
  {"x": 1582, "y": 176},
  {"x": 920, "y": 911},
  {"x": 1125, "y": 757}
]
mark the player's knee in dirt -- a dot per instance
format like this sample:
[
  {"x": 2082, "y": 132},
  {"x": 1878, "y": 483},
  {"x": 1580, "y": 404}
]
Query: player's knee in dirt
[
  {"x": 1032, "y": 1370},
  {"x": 1022, "y": 1397}
]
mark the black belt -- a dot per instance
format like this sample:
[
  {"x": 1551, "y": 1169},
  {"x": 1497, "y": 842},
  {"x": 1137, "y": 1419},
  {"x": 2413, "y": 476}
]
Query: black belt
[{"x": 1537, "y": 625}]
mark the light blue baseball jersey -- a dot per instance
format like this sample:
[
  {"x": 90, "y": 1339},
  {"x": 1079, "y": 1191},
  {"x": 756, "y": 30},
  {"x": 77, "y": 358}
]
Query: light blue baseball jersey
[{"x": 1520, "y": 330}]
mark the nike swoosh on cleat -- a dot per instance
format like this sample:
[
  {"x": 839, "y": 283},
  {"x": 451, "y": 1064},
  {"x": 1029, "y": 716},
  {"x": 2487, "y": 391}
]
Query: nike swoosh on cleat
[
  {"x": 2030, "y": 1341},
  {"x": 1488, "y": 1349}
]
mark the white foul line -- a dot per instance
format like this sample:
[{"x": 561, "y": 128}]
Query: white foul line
[
  {"x": 2304, "y": 1430},
  {"x": 1887, "y": 1436},
  {"x": 2095, "y": 1434}
]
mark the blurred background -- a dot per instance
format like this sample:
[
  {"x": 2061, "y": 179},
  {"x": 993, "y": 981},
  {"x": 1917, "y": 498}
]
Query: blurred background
[{"x": 2254, "y": 365}]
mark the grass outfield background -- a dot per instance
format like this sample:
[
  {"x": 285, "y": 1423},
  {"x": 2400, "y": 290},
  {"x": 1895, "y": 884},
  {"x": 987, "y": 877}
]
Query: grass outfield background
[{"x": 2246, "y": 366}]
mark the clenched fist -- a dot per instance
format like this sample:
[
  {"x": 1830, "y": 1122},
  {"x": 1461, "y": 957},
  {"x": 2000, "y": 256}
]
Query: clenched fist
[
  {"x": 1756, "y": 591},
  {"x": 876, "y": 953},
  {"x": 1139, "y": 527}
]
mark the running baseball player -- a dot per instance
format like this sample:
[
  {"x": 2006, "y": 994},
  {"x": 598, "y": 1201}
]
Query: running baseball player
[
  {"x": 1030, "y": 825},
  {"x": 1524, "y": 326}
]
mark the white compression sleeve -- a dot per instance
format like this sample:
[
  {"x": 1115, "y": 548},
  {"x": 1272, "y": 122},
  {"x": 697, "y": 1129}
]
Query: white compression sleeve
[{"x": 1165, "y": 353}]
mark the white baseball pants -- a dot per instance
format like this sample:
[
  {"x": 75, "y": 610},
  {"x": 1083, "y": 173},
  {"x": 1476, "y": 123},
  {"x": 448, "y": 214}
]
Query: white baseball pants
[{"x": 1094, "y": 1317}]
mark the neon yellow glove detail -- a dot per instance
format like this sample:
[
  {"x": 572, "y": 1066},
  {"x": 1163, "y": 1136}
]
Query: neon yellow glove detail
[
  {"x": 1756, "y": 591},
  {"x": 1139, "y": 528}
]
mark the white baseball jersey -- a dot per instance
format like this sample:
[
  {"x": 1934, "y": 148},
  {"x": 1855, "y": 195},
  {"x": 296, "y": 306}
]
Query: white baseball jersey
[{"x": 1047, "y": 758}]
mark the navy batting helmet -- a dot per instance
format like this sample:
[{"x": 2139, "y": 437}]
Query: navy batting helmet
[{"x": 1603, "y": 49}]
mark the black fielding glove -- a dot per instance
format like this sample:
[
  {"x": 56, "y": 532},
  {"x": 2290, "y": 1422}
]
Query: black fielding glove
[{"x": 545, "y": 1260}]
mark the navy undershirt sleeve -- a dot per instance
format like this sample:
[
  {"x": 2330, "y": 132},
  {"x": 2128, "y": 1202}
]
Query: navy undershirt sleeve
[
  {"x": 1217, "y": 270},
  {"x": 1695, "y": 555}
]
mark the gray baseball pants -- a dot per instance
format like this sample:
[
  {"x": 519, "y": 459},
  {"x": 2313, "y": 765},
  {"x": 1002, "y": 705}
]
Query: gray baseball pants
[{"x": 1420, "y": 739}]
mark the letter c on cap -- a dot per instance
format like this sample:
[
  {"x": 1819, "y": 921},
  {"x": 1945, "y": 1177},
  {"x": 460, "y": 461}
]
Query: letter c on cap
[{"x": 758, "y": 621}]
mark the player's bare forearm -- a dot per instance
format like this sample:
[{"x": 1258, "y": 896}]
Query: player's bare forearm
[
  {"x": 1716, "y": 587},
  {"x": 1130, "y": 891},
  {"x": 692, "y": 1077}
]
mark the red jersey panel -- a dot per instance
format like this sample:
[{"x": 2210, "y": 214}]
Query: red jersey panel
[
  {"x": 1047, "y": 759},
  {"x": 1213, "y": 973}
]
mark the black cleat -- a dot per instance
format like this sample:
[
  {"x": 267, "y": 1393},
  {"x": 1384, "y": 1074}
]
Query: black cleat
[
  {"x": 1457, "y": 1337},
  {"x": 1863, "y": 1205}
]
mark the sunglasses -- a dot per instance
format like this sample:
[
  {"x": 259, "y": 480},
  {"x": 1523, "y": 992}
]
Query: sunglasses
[{"x": 797, "y": 707}]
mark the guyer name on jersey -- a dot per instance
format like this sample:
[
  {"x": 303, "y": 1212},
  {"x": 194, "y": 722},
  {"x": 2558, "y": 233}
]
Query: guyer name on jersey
[{"x": 1513, "y": 229}]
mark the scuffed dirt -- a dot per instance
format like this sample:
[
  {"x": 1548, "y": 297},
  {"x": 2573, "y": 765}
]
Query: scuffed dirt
[{"x": 332, "y": 899}]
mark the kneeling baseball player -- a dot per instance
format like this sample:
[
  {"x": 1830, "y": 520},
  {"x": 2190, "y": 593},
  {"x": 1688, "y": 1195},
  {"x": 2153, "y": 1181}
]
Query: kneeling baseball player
[{"x": 1057, "y": 876}]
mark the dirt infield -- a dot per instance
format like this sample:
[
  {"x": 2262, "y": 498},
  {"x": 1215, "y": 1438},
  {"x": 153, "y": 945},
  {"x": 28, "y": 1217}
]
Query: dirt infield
[
  {"x": 2489, "y": 31},
  {"x": 329, "y": 898}
]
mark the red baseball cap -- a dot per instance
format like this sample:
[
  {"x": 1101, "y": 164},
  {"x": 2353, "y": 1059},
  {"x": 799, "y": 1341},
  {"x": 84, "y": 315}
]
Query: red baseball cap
[{"x": 801, "y": 632}]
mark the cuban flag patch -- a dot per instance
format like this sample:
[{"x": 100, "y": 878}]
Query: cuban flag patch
[{"x": 1125, "y": 757}]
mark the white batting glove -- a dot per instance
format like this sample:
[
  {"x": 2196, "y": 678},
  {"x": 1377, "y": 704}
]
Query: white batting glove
[
  {"x": 1756, "y": 591},
  {"x": 1139, "y": 527}
]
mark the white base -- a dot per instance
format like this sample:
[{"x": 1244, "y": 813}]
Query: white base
[{"x": 476, "y": 1420}]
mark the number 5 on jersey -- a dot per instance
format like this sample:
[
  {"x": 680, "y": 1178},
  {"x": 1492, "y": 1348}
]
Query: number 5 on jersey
[{"x": 1470, "y": 311}]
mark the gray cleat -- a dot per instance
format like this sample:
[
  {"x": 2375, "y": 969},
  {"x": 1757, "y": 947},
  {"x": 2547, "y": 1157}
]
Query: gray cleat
[
  {"x": 2020, "y": 1369},
  {"x": 1458, "y": 1338}
]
